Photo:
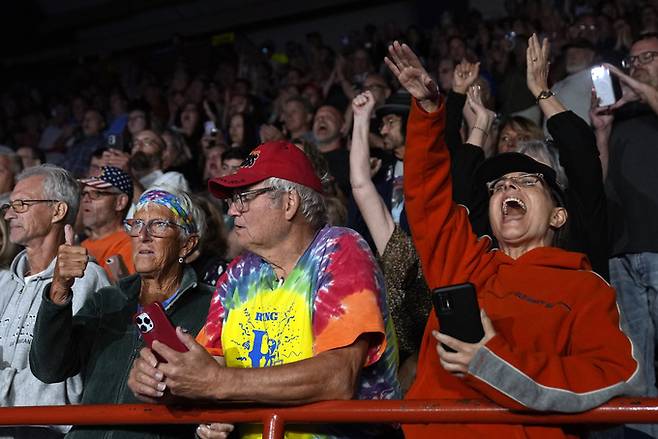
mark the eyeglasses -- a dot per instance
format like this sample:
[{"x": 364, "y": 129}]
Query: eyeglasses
[
  {"x": 148, "y": 142},
  {"x": 389, "y": 122},
  {"x": 21, "y": 206},
  {"x": 643, "y": 58},
  {"x": 157, "y": 228},
  {"x": 240, "y": 199},
  {"x": 95, "y": 195},
  {"x": 523, "y": 180}
]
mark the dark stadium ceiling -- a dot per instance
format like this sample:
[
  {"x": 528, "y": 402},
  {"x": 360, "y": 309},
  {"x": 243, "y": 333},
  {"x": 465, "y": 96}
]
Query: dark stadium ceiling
[{"x": 32, "y": 29}]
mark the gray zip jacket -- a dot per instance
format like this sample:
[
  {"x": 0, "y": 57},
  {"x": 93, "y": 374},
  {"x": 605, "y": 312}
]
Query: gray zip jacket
[{"x": 20, "y": 298}]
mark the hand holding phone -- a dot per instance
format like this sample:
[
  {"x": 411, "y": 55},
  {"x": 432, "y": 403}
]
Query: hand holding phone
[
  {"x": 116, "y": 267},
  {"x": 607, "y": 90},
  {"x": 153, "y": 323},
  {"x": 458, "y": 312}
]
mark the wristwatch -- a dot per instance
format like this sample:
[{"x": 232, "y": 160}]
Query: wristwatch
[{"x": 544, "y": 94}]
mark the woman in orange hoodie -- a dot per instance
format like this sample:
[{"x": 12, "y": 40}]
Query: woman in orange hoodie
[{"x": 553, "y": 334}]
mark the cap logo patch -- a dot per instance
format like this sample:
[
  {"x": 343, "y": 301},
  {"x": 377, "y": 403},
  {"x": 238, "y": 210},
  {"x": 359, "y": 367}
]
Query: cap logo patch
[{"x": 250, "y": 160}]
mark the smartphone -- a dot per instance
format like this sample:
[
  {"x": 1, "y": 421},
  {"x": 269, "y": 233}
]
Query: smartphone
[
  {"x": 154, "y": 324},
  {"x": 607, "y": 89},
  {"x": 458, "y": 312},
  {"x": 116, "y": 267},
  {"x": 209, "y": 128}
]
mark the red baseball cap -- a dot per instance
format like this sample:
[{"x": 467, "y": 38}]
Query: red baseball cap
[{"x": 280, "y": 159}]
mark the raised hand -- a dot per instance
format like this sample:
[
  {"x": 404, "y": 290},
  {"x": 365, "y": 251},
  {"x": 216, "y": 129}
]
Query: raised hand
[
  {"x": 601, "y": 117},
  {"x": 71, "y": 264},
  {"x": 474, "y": 102},
  {"x": 363, "y": 105},
  {"x": 406, "y": 67},
  {"x": 636, "y": 90},
  {"x": 464, "y": 76},
  {"x": 537, "y": 65}
]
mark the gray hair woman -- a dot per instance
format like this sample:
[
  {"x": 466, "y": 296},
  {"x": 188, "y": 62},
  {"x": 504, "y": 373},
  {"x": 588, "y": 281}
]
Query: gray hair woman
[{"x": 101, "y": 341}]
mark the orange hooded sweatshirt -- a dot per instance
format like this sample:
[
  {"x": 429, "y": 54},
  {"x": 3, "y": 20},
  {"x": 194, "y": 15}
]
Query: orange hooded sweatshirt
[{"x": 559, "y": 344}]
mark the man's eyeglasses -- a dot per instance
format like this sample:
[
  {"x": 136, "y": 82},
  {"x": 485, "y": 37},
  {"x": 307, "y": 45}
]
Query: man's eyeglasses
[
  {"x": 240, "y": 199},
  {"x": 21, "y": 206},
  {"x": 390, "y": 122},
  {"x": 642, "y": 58},
  {"x": 95, "y": 195},
  {"x": 523, "y": 180},
  {"x": 157, "y": 228},
  {"x": 148, "y": 142}
]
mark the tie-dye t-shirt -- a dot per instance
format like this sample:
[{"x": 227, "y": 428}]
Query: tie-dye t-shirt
[{"x": 334, "y": 294}]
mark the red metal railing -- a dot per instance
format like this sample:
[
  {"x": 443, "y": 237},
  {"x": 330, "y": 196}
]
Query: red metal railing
[{"x": 617, "y": 411}]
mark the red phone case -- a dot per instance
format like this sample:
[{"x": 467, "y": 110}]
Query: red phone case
[{"x": 153, "y": 324}]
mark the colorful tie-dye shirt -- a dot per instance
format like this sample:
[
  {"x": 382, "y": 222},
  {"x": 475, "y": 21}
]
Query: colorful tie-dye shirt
[{"x": 334, "y": 294}]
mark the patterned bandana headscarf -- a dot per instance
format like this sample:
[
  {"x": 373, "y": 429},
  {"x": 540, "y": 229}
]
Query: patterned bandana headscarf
[{"x": 172, "y": 203}]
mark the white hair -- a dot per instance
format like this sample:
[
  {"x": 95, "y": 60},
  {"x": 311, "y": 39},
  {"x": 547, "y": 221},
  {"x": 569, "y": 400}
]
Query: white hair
[
  {"x": 58, "y": 184},
  {"x": 312, "y": 204}
]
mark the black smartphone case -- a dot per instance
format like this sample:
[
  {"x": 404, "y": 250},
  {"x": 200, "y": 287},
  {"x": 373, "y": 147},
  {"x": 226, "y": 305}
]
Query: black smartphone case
[{"x": 458, "y": 312}]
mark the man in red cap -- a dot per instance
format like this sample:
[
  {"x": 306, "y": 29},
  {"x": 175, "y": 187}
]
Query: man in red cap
[{"x": 305, "y": 297}]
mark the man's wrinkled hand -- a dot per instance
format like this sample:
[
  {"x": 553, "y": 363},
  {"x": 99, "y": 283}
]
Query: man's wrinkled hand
[
  {"x": 192, "y": 374},
  {"x": 70, "y": 264}
]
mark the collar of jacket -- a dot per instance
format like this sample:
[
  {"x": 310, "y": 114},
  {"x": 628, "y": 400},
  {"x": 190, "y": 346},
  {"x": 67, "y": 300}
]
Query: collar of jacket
[{"x": 131, "y": 285}]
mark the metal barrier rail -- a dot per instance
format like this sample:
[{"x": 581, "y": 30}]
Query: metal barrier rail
[{"x": 617, "y": 411}]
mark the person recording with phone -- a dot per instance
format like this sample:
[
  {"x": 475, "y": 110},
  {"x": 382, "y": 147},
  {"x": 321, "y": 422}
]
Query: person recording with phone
[
  {"x": 100, "y": 341},
  {"x": 626, "y": 134},
  {"x": 553, "y": 338}
]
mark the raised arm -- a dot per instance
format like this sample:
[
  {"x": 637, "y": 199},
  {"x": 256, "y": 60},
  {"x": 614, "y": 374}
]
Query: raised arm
[
  {"x": 464, "y": 76},
  {"x": 373, "y": 209},
  {"x": 537, "y": 66},
  {"x": 448, "y": 249}
]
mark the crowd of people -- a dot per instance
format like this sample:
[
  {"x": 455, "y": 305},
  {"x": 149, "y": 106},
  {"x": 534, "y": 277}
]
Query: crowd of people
[{"x": 293, "y": 210}]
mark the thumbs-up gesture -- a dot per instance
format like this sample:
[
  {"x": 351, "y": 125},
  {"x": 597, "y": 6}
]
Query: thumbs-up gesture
[{"x": 71, "y": 263}]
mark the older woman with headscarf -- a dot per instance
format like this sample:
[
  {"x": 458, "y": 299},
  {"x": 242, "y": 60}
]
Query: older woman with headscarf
[
  {"x": 553, "y": 338},
  {"x": 101, "y": 340}
]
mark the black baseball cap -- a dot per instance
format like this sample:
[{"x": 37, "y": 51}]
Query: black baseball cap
[{"x": 509, "y": 162}]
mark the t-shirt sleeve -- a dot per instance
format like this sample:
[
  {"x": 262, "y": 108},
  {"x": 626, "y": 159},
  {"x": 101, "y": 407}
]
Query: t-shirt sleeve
[
  {"x": 349, "y": 300},
  {"x": 210, "y": 336}
]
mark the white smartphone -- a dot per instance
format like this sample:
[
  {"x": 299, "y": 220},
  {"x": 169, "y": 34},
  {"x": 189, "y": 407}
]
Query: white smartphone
[
  {"x": 603, "y": 85},
  {"x": 209, "y": 127}
]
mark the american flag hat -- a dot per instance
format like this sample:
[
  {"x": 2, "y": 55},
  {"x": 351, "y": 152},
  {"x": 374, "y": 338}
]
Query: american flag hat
[{"x": 111, "y": 177}]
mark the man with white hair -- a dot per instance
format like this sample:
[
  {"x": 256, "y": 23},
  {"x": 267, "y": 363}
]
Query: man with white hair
[
  {"x": 44, "y": 200},
  {"x": 305, "y": 297}
]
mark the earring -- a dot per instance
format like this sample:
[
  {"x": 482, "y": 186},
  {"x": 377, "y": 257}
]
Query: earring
[{"x": 180, "y": 260}]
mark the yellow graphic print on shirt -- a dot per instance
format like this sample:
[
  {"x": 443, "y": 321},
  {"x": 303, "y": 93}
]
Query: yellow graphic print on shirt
[{"x": 269, "y": 329}]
